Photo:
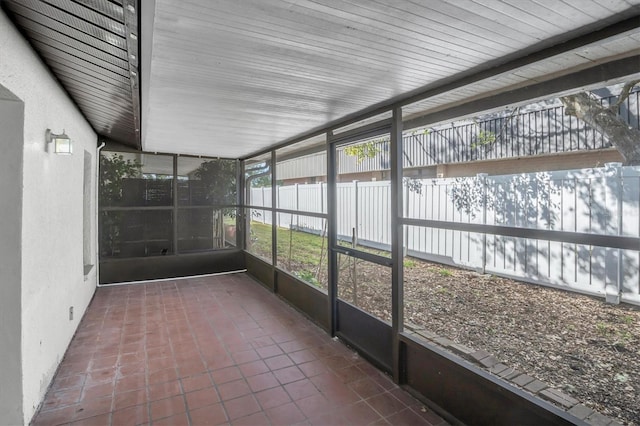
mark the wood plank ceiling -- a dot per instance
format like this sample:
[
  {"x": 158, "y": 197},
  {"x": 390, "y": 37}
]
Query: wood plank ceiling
[
  {"x": 230, "y": 78},
  {"x": 92, "y": 48}
]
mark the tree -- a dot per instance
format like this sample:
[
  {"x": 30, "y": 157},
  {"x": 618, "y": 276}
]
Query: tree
[
  {"x": 258, "y": 175},
  {"x": 261, "y": 182},
  {"x": 606, "y": 120},
  {"x": 364, "y": 150},
  {"x": 483, "y": 138},
  {"x": 114, "y": 169},
  {"x": 218, "y": 178}
]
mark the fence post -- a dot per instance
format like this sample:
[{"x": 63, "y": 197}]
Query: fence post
[
  {"x": 354, "y": 237},
  {"x": 297, "y": 208},
  {"x": 322, "y": 224},
  {"x": 482, "y": 177},
  {"x": 405, "y": 242},
  {"x": 613, "y": 290},
  {"x": 264, "y": 212}
]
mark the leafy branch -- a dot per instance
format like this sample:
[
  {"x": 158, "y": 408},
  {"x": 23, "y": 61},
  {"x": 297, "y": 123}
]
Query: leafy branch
[
  {"x": 364, "y": 150},
  {"x": 114, "y": 170}
]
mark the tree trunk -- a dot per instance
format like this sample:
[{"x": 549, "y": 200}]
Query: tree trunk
[{"x": 605, "y": 120}]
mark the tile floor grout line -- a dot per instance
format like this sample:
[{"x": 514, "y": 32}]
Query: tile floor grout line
[
  {"x": 261, "y": 324},
  {"x": 209, "y": 372}
]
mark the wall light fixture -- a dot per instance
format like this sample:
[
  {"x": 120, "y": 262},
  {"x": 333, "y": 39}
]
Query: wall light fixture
[{"x": 61, "y": 143}]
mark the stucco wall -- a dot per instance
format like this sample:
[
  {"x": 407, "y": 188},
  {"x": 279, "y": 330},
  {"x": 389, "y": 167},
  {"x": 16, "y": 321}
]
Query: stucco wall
[{"x": 52, "y": 216}]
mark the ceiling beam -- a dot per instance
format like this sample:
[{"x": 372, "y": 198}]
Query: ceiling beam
[
  {"x": 132, "y": 34},
  {"x": 147, "y": 17}
]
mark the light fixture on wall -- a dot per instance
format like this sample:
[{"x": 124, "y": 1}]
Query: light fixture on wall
[{"x": 61, "y": 143}]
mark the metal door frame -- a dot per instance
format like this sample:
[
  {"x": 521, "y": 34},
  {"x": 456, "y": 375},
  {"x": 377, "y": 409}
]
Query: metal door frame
[{"x": 374, "y": 338}]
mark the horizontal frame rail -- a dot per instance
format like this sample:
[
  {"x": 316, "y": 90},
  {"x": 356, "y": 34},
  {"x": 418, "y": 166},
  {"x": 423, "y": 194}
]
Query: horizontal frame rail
[
  {"x": 287, "y": 211},
  {"x": 366, "y": 132},
  {"x": 302, "y": 213},
  {"x": 134, "y": 208},
  {"x": 608, "y": 241},
  {"x": 363, "y": 255}
]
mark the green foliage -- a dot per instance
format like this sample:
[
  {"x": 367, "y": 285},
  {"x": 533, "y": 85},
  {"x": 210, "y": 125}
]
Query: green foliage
[
  {"x": 602, "y": 328},
  {"x": 261, "y": 182},
  {"x": 258, "y": 175},
  {"x": 308, "y": 276},
  {"x": 308, "y": 249},
  {"x": 626, "y": 319},
  {"x": 218, "y": 178},
  {"x": 408, "y": 263},
  {"x": 484, "y": 137},
  {"x": 363, "y": 150},
  {"x": 615, "y": 334},
  {"x": 113, "y": 170},
  {"x": 420, "y": 132},
  {"x": 306, "y": 246},
  {"x": 445, "y": 272}
]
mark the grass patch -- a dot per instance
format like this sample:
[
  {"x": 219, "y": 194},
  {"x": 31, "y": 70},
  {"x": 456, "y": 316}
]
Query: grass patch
[
  {"x": 306, "y": 247},
  {"x": 445, "y": 272},
  {"x": 298, "y": 252},
  {"x": 626, "y": 319},
  {"x": 408, "y": 263}
]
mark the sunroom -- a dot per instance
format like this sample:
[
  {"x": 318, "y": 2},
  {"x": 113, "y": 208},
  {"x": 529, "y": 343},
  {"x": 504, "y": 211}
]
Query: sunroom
[{"x": 320, "y": 212}]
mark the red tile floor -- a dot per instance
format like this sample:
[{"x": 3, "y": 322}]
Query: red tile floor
[{"x": 215, "y": 350}]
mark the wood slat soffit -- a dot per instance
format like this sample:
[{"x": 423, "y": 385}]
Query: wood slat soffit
[{"x": 92, "y": 48}]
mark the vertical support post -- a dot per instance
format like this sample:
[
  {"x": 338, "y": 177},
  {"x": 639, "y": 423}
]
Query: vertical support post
[
  {"x": 482, "y": 177},
  {"x": 241, "y": 223},
  {"x": 276, "y": 216},
  {"x": 397, "y": 244},
  {"x": 274, "y": 221},
  {"x": 264, "y": 216},
  {"x": 175, "y": 205},
  {"x": 249, "y": 212},
  {"x": 332, "y": 288}
]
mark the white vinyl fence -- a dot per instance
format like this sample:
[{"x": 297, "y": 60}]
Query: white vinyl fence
[{"x": 604, "y": 201}]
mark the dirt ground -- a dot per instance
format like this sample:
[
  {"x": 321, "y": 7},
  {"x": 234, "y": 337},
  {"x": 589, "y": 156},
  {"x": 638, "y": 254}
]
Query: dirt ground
[{"x": 575, "y": 343}]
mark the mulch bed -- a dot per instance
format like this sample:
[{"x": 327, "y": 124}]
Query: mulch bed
[{"x": 575, "y": 343}]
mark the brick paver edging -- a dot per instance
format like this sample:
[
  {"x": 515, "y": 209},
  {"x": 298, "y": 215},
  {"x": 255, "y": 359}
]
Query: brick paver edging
[{"x": 517, "y": 378}]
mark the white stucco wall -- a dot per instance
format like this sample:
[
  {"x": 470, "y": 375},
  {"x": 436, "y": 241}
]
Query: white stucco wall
[{"x": 52, "y": 276}]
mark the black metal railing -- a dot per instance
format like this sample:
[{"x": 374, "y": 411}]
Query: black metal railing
[
  {"x": 520, "y": 133},
  {"x": 514, "y": 134}
]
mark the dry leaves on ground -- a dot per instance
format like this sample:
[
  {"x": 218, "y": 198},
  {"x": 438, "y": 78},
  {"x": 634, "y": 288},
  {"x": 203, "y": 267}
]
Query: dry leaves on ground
[{"x": 573, "y": 342}]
